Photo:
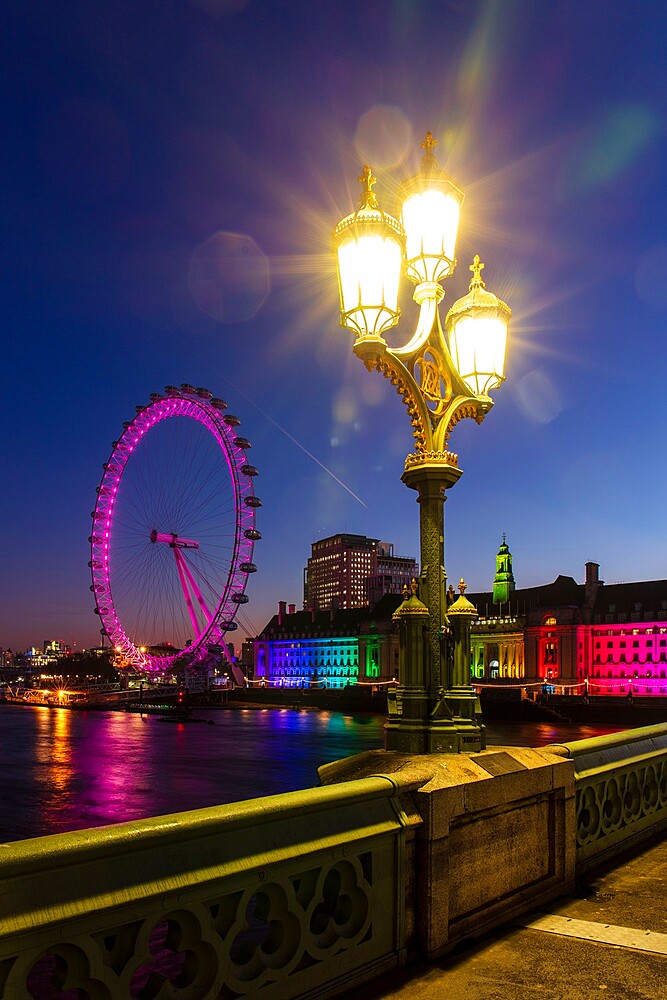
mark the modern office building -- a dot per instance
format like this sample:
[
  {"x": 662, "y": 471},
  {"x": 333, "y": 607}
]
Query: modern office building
[
  {"x": 392, "y": 573},
  {"x": 353, "y": 571}
]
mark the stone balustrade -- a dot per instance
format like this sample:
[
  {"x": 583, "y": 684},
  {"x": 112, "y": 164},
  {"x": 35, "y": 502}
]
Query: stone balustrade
[
  {"x": 289, "y": 895},
  {"x": 311, "y": 893},
  {"x": 621, "y": 791}
]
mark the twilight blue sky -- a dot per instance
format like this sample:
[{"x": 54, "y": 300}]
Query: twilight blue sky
[{"x": 134, "y": 134}]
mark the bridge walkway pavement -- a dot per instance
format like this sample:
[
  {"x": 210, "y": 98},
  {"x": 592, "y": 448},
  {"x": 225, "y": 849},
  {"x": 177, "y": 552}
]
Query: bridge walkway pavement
[{"x": 608, "y": 940}]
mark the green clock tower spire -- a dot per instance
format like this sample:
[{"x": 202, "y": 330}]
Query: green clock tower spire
[{"x": 503, "y": 583}]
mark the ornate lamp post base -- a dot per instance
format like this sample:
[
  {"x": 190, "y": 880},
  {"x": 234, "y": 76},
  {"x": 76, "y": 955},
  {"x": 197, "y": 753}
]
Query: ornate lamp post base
[
  {"x": 463, "y": 733},
  {"x": 460, "y": 734},
  {"x": 418, "y": 722},
  {"x": 414, "y": 736}
]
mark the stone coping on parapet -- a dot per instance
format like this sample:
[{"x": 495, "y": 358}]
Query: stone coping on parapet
[{"x": 429, "y": 772}]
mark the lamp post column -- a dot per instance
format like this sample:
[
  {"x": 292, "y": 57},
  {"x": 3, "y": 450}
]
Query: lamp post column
[{"x": 431, "y": 482}]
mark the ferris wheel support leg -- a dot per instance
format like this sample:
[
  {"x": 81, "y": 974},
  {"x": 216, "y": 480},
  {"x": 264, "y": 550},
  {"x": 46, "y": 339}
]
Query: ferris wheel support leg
[
  {"x": 195, "y": 589},
  {"x": 182, "y": 569}
]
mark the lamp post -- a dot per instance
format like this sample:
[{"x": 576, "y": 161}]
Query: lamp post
[{"x": 441, "y": 379}]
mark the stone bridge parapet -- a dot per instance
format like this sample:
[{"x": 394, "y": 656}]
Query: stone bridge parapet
[{"x": 311, "y": 893}]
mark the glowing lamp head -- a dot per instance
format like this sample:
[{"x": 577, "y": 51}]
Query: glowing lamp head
[
  {"x": 477, "y": 327},
  {"x": 369, "y": 248},
  {"x": 430, "y": 216}
]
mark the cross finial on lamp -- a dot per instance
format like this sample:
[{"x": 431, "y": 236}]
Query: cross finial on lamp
[
  {"x": 476, "y": 267},
  {"x": 429, "y": 143},
  {"x": 367, "y": 180}
]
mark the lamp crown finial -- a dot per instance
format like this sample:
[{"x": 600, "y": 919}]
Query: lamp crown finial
[
  {"x": 476, "y": 267},
  {"x": 413, "y": 587},
  {"x": 428, "y": 145},
  {"x": 367, "y": 180},
  {"x": 462, "y": 587}
]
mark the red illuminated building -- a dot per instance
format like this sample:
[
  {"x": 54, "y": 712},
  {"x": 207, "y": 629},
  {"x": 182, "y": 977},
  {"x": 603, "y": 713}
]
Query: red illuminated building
[{"x": 589, "y": 638}]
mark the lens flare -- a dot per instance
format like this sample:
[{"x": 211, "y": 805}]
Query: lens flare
[
  {"x": 613, "y": 144},
  {"x": 383, "y": 136},
  {"x": 229, "y": 277},
  {"x": 538, "y": 398}
]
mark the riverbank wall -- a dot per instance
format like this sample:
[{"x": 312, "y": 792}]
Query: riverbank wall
[{"x": 502, "y": 705}]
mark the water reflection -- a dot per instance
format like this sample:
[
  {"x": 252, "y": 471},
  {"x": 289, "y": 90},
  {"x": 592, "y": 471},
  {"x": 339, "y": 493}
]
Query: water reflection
[
  {"x": 67, "y": 770},
  {"x": 54, "y": 768}
]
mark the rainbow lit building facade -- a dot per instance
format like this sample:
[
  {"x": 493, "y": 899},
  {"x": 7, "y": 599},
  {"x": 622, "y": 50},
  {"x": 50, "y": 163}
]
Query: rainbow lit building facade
[
  {"x": 588, "y": 639},
  {"x": 331, "y": 649}
]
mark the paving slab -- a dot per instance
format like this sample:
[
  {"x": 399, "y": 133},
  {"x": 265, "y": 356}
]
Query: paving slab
[{"x": 608, "y": 940}]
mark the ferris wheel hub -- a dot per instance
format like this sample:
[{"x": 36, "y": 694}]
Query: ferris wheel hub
[{"x": 172, "y": 540}]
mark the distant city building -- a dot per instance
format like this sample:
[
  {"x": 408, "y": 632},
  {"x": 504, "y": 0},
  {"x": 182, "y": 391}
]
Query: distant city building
[
  {"x": 353, "y": 571},
  {"x": 52, "y": 652},
  {"x": 248, "y": 659},
  {"x": 392, "y": 573}
]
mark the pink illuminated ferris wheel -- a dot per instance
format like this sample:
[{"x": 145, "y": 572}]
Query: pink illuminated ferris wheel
[{"x": 173, "y": 531}]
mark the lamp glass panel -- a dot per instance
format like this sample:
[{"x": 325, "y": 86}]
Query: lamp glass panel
[
  {"x": 478, "y": 345},
  {"x": 370, "y": 270},
  {"x": 431, "y": 222}
]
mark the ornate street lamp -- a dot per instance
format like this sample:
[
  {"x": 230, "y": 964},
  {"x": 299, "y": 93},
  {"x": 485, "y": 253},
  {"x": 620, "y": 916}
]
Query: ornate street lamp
[{"x": 441, "y": 379}]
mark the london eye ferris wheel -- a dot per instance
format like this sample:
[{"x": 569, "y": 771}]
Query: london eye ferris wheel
[{"x": 173, "y": 532}]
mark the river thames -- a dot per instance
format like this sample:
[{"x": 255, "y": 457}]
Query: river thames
[{"x": 67, "y": 770}]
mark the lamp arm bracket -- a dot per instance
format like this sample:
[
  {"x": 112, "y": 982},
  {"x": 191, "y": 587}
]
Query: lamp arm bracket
[
  {"x": 460, "y": 407},
  {"x": 400, "y": 377},
  {"x": 428, "y": 325}
]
